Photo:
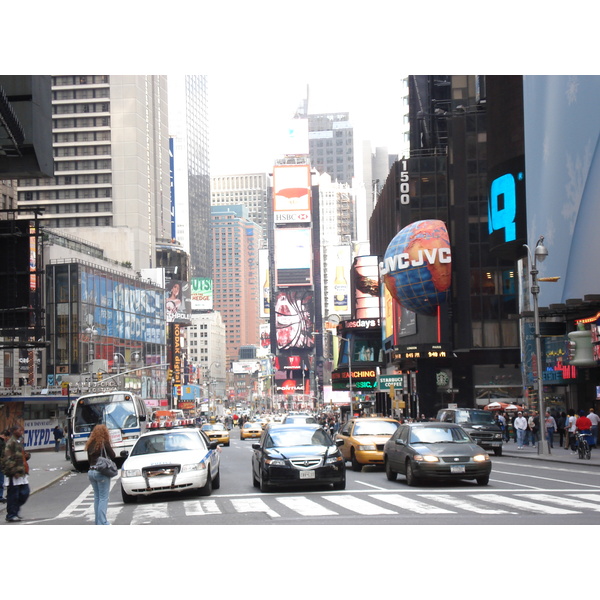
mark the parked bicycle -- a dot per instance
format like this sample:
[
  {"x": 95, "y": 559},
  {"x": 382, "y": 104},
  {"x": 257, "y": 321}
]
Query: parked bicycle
[{"x": 583, "y": 445}]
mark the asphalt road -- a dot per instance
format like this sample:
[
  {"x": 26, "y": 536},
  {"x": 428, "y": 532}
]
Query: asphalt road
[{"x": 522, "y": 490}]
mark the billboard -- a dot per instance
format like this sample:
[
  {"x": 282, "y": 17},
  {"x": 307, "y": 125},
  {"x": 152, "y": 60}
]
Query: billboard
[
  {"x": 365, "y": 283},
  {"x": 562, "y": 132},
  {"x": 291, "y": 194},
  {"x": 338, "y": 283},
  {"x": 201, "y": 295},
  {"x": 293, "y": 256},
  {"x": 264, "y": 283},
  {"x": 177, "y": 301},
  {"x": 294, "y": 319}
]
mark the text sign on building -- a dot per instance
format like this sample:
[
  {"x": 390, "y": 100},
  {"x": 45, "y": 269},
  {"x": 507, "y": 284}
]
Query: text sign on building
[
  {"x": 201, "y": 293},
  {"x": 291, "y": 194},
  {"x": 396, "y": 381}
]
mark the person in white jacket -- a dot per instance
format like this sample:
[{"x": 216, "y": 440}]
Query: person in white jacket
[{"x": 520, "y": 425}]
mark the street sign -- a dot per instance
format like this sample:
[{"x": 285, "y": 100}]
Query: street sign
[{"x": 385, "y": 382}]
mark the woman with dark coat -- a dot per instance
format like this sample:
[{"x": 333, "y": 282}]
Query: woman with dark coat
[{"x": 99, "y": 439}]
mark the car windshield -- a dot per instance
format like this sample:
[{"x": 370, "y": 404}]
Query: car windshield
[
  {"x": 375, "y": 428},
  {"x": 218, "y": 427},
  {"x": 299, "y": 419},
  {"x": 297, "y": 437},
  {"x": 475, "y": 417},
  {"x": 167, "y": 442},
  {"x": 435, "y": 435}
]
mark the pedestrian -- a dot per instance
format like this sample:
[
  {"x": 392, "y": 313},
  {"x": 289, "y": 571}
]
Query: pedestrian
[
  {"x": 501, "y": 420},
  {"x": 58, "y": 434},
  {"x": 532, "y": 429},
  {"x": 4, "y": 435},
  {"x": 16, "y": 472},
  {"x": 520, "y": 425},
  {"x": 550, "y": 424},
  {"x": 595, "y": 419},
  {"x": 98, "y": 441},
  {"x": 571, "y": 428},
  {"x": 560, "y": 427}
]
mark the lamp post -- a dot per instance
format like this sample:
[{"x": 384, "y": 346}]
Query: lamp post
[
  {"x": 116, "y": 356},
  {"x": 211, "y": 383},
  {"x": 349, "y": 374},
  {"x": 540, "y": 254}
]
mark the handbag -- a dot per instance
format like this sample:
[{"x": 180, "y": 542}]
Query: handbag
[{"x": 105, "y": 465}]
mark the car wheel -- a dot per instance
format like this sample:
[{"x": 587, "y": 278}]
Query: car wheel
[
  {"x": 207, "y": 489},
  {"x": 340, "y": 485},
  {"x": 498, "y": 451},
  {"x": 411, "y": 478},
  {"x": 127, "y": 499},
  {"x": 356, "y": 466},
  {"x": 391, "y": 475},
  {"x": 216, "y": 483},
  {"x": 483, "y": 480}
]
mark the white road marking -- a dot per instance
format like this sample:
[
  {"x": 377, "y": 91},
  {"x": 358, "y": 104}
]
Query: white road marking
[
  {"x": 305, "y": 507},
  {"x": 194, "y": 508},
  {"x": 523, "y": 504},
  {"x": 244, "y": 505},
  {"x": 463, "y": 504},
  {"x": 357, "y": 505},
  {"x": 411, "y": 504}
]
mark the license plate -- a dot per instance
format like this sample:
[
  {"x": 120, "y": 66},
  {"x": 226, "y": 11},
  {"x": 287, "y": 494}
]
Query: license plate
[
  {"x": 307, "y": 474},
  {"x": 457, "y": 468}
]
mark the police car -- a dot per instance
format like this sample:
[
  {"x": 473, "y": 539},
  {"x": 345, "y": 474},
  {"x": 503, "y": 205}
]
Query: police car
[{"x": 176, "y": 459}]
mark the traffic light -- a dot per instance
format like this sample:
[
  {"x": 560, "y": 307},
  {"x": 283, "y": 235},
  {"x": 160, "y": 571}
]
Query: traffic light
[
  {"x": 170, "y": 375},
  {"x": 99, "y": 376}
]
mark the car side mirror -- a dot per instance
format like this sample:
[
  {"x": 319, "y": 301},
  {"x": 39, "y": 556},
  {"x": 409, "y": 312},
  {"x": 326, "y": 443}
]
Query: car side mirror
[
  {"x": 124, "y": 453},
  {"x": 339, "y": 443},
  {"x": 399, "y": 442},
  {"x": 213, "y": 445},
  {"x": 255, "y": 446}
]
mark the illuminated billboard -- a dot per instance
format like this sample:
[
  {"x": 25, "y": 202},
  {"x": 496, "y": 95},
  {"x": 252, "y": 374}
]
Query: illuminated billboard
[
  {"x": 291, "y": 194},
  {"x": 365, "y": 280},
  {"x": 264, "y": 282},
  {"x": 338, "y": 282},
  {"x": 293, "y": 256},
  {"x": 294, "y": 319},
  {"x": 201, "y": 293}
]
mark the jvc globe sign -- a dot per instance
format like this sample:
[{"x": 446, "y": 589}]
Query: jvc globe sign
[{"x": 417, "y": 266}]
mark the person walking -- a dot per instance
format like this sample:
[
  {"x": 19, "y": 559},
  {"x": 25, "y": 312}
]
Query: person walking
[
  {"x": 571, "y": 428},
  {"x": 560, "y": 426},
  {"x": 595, "y": 419},
  {"x": 16, "y": 470},
  {"x": 58, "y": 434},
  {"x": 520, "y": 425},
  {"x": 550, "y": 427},
  {"x": 98, "y": 441},
  {"x": 4, "y": 435},
  {"x": 532, "y": 429}
]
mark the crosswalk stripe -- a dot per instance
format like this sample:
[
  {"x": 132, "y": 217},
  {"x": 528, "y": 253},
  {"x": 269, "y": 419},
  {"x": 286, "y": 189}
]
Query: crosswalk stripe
[
  {"x": 462, "y": 504},
  {"x": 244, "y": 505},
  {"x": 360, "y": 506},
  {"x": 149, "y": 513},
  {"x": 305, "y": 507},
  {"x": 410, "y": 504},
  {"x": 563, "y": 501},
  {"x": 523, "y": 504},
  {"x": 594, "y": 497},
  {"x": 194, "y": 508}
]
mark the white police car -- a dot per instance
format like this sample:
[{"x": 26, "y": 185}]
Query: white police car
[{"x": 170, "y": 460}]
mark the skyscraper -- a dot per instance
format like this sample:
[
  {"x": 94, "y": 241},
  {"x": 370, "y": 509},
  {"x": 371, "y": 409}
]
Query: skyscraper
[
  {"x": 188, "y": 127},
  {"x": 111, "y": 160}
]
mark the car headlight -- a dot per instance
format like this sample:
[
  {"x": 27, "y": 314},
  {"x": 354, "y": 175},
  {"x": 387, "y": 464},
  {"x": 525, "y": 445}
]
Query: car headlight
[
  {"x": 275, "y": 462},
  {"x": 131, "y": 473},
  {"x": 481, "y": 457},
  {"x": 498, "y": 436},
  {"x": 334, "y": 459},
  {"x": 367, "y": 447},
  {"x": 193, "y": 467},
  {"x": 426, "y": 458}
]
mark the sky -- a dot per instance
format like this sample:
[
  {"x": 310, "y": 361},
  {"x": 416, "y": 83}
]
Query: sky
[{"x": 245, "y": 135}]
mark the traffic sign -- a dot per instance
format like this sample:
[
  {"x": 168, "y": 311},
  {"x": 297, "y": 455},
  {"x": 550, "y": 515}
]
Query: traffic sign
[{"x": 385, "y": 382}]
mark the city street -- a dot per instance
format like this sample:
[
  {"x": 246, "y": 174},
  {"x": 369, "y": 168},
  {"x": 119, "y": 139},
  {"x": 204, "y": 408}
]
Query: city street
[{"x": 523, "y": 489}]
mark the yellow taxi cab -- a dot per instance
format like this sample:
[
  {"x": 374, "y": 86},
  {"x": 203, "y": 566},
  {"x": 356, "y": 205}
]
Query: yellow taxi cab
[
  {"x": 216, "y": 432},
  {"x": 363, "y": 440},
  {"x": 250, "y": 430}
]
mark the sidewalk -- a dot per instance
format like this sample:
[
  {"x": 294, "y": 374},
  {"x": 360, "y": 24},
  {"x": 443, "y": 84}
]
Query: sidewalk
[
  {"x": 557, "y": 454},
  {"x": 45, "y": 468}
]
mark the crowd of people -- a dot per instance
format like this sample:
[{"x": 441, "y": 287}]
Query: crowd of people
[{"x": 524, "y": 427}]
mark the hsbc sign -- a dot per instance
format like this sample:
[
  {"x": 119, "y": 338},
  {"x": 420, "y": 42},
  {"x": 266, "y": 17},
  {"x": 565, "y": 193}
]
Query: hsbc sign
[{"x": 296, "y": 216}]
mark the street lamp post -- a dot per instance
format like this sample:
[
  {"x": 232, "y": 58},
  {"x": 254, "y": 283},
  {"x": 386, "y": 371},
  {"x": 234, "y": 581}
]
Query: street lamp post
[
  {"x": 116, "y": 355},
  {"x": 349, "y": 374},
  {"x": 540, "y": 254}
]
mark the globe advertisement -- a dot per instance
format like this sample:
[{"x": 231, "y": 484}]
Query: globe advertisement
[{"x": 417, "y": 266}]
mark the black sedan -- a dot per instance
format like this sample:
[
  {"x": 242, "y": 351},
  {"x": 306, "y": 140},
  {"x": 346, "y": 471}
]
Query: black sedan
[
  {"x": 435, "y": 450},
  {"x": 295, "y": 455}
]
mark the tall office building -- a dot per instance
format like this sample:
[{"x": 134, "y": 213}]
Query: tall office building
[
  {"x": 111, "y": 156},
  {"x": 235, "y": 241},
  {"x": 188, "y": 127},
  {"x": 331, "y": 145},
  {"x": 249, "y": 189}
]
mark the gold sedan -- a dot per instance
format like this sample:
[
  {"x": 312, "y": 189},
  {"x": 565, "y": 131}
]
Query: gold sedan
[
  {"x": 250, "y": 430},
  {"x": 216, "y": 432},
  {"x": 364, "y": 439}
]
